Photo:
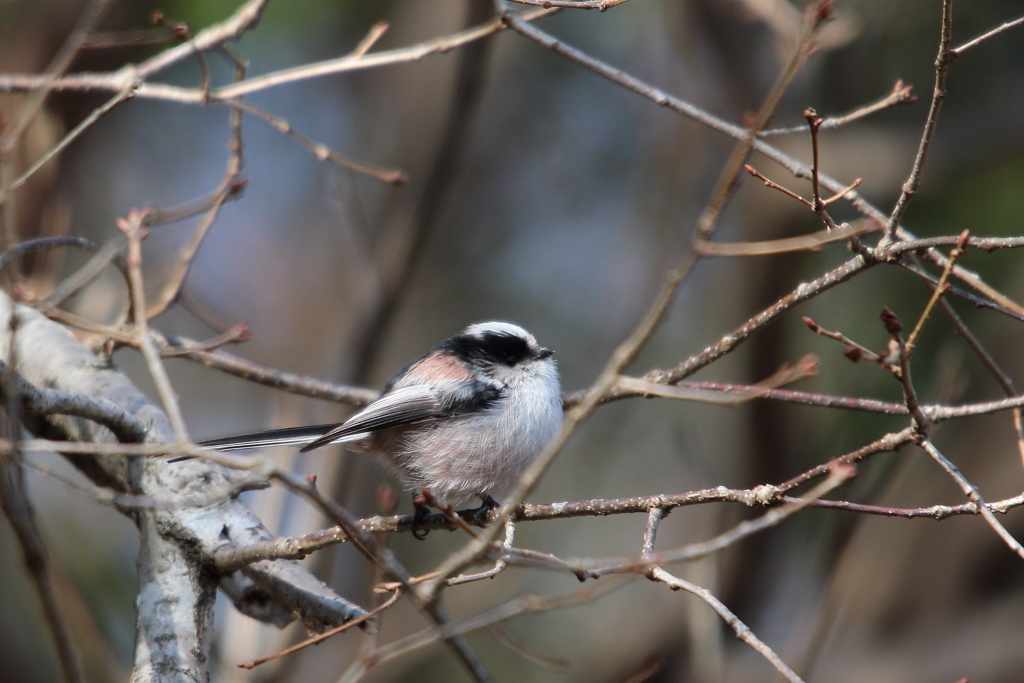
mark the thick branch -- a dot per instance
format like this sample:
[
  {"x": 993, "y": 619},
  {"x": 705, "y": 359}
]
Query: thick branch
[{"x": 177, "y": 588}]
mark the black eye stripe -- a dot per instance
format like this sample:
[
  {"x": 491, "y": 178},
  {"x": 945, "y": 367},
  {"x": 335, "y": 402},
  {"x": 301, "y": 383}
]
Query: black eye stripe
[{"x": 492, "y": 347}]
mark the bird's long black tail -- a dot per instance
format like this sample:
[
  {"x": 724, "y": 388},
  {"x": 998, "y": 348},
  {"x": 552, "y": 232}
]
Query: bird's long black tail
[{"x": 290, "y": 436}]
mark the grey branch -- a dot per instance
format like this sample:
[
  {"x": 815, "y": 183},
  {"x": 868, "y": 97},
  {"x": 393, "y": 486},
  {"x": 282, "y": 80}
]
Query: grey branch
[{"x": 176, "y": 585}]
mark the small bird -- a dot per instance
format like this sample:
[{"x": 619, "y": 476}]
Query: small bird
[{"x": 465, "y": 419}]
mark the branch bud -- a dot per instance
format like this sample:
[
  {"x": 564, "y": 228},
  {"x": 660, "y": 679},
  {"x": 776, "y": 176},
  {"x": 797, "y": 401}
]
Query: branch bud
[{"x": 892, "y": 323}]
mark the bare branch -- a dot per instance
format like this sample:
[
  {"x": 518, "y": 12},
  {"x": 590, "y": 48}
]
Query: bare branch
[
  {"x": 317, "y": 639},
  {"x": 122, "y": 96},
  {"x": 573, "y": 4},
  {"x": 937, "y": 291},
  {"x": 942, "y": 62},
  {"x": 901, "y": 94},
  {"x": 132, "y": 227},
  {"x": 971, "y": 491},
  {"x": 503, "y": 612},
  {"x": 741, "y": 630},
  {"x": 322, "y": 152},
  {"x": 811, "y": 242},
  {"x": 957, "y": 51},
  {"x": 19, "y": 513}
]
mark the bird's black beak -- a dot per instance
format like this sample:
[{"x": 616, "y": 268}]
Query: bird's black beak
[{"x": 544, "y": 353}]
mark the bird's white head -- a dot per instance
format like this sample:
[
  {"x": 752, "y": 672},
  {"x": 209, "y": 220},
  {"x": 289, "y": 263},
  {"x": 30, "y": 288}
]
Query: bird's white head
[{"x": 509, "y": 353}]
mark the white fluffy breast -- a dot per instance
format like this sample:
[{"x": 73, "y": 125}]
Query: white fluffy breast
[{"x": 484, "y": 452}]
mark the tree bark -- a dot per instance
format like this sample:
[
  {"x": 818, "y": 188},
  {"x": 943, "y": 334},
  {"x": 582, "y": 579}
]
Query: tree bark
[{"x": 177, "y": 578}]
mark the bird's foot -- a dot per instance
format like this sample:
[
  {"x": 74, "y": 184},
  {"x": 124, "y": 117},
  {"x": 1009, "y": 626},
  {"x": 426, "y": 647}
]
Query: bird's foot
[
  {"x": 479, "y": 515},
  {"x": 421, "y": 513}
]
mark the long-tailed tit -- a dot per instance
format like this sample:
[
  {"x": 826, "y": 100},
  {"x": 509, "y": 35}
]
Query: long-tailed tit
[{"x": 463, "y": 420}]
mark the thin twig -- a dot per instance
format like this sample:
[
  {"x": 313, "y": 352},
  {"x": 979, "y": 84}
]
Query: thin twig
[
  {"x": 125, "y": 94},
  {"x": 852, "y": 350},
  {"x": 838, "y": 472},
  {"x": 1015, "y": 312},
  {"x": 993, "y": 367},
  {"x": 741, "y": 630},
  {"x": 843, "y": 192},
  {"x": 813, "y": 124},
  {"x": 231, "y": 29},
  {"x": 901, "y": 94},
  {"x": 984, "y": 243},
  {"x": 729, "y": 342},
  {"x": 654, "y": 517},
  {"x": 393, "y": 176},
  {"x": 936, "y": 512},
  {"x": 942, "y": 62},
  {"x": 403, "y": 249},
  {"x": 172, "y": 288},
  {"x": 573, "y": 4},
  {"x": 802, "y": 369},
  {"x": 132, "y": 227},
  {"x": 272, "y": 377},
  {"x": 382, "y": 556},
  {"x": 18, "y": 510},
  {"x": 898, "y": 362},
  {"x": 971, "y": 491},
  {"x": 319, "y": 638},
  {"x": 26, "y": 113},
  {"x": 499, "y": 564},
  {"x": 503, "y": 612},
  {"x": 371, "y": 38},
  {"x": 957, "y": 51},
  {"x": 937, "y": 291},
  {"x": 811, "y": 242}
]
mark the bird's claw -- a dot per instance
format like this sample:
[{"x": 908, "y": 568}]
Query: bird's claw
[
  {"x": 418, "y": 517},
  {"x": 479, "y": 515}
]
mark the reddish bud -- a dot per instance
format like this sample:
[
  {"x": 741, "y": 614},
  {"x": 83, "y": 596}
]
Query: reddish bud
[
  {"x": 892, "y": 323},
  {"x": 904, "y": 93},
  {"x": 241, "y": 332},
  {"x": 961, "y": 241},
  {"x": 853, "y": 353},
  {"x": 238, "y": 184},
  {"x": 820, "y": 12},
  {"x": 811, "y": 324},
  {"x": 808, "y": 366}
]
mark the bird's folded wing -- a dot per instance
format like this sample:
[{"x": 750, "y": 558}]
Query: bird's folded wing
[
  {"x": 402, "y": 406},
  {"x": 412, "y": 404}
]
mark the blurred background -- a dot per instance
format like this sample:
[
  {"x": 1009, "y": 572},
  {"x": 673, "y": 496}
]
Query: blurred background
[{"x": 542, "y": 194}]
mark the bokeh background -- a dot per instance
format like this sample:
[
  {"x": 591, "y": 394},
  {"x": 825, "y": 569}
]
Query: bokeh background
[{"x": 550, "y": 197}]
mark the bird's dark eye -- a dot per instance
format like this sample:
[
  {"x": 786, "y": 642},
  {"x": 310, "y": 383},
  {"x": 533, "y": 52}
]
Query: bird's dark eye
[{"x": 511, "y": 360}]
